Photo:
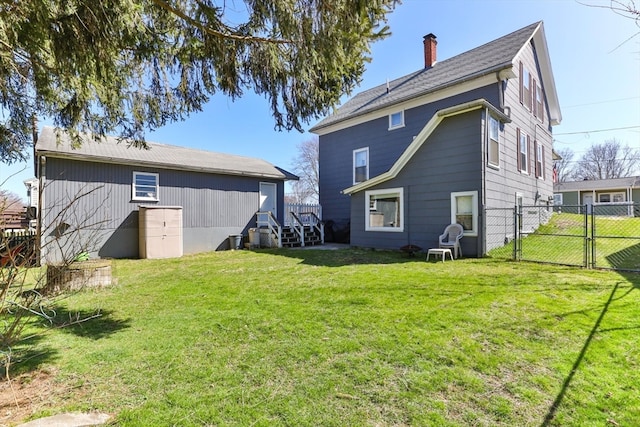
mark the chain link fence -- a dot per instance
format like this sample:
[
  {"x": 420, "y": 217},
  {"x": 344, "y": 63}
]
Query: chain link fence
[{"x": 591, "y": 236}]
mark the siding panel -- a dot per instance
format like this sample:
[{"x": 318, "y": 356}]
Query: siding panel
[
  {"x": 447, "y": 162},
  {"x": 385, "y": 147},
  {"x": 214, "y": 206}
]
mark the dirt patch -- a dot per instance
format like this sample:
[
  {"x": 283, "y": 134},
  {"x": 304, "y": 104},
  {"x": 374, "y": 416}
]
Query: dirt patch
[{"x": 27, "y": 394}]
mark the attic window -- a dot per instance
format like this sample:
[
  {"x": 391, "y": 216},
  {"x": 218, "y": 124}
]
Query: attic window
[
  {"x": 396, "y": 120},
  {"x": 539, "y": 104},
  {"x": 145, "y": 186},
  {"x": 525, "y": 87}
]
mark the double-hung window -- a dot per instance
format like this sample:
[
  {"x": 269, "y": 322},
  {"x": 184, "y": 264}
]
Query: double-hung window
[
  {"x": 464, "y": 211},
  {"x": 539, "y": 149},
  {"x": 539, "y": 103},
  {"x": 384, "y": 210},
  {"x": 145, "y": 186},
  {"x": 396, "y": 120},
  {"x": 523, "y": 151},
  {"x": 360, "y": 165},
  {"x": 525, "y": 87},
  {"x": 494, "y": 142}
]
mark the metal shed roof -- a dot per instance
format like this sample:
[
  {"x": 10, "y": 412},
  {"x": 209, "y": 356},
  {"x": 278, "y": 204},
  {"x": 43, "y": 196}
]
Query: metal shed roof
[{"x": 56, "y": 143}]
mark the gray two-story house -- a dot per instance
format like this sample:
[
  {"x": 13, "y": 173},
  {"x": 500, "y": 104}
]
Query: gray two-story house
[{"x": 401, "y": 161}]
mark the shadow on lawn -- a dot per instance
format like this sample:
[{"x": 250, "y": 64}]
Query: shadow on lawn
[
  {"x": 33, "y": 351},
  {"x": 27, "y": 356},
  {"x": 635, "y": 281},
  {"x": 347, "y": 256},
  {"x": 88, "y": 324}
]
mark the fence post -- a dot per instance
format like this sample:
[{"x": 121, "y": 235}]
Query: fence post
[
  {"x": 585, "y": 260},
  {"x": 516, "y": 236},
  {"x": 593, "y": 236}
]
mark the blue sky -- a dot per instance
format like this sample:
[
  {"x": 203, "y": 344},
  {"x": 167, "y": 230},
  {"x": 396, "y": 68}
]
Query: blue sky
[{"x": 597, "y": 76}]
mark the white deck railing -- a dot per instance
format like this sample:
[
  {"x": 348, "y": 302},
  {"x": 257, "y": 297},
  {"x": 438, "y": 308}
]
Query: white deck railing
[
  {"x": 300, "y": 209},
  {"x": 266, "y": 219}
]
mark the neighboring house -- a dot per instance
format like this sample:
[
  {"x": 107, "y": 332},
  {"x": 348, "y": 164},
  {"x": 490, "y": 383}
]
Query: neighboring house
[
  {"x": 622, "y": 191},
  {"x": 403, "y": 160},
  {"x": 32, "y": 201},
  {"x": 12, "y": 216},
  {"x": 96, "y": 192}
]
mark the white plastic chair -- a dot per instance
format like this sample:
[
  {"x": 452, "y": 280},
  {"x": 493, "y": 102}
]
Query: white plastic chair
[{"x": 450, "y": 239}]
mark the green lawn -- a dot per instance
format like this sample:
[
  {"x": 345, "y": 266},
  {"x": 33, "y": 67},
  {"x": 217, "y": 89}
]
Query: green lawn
[{"x": 350, "y": 337}]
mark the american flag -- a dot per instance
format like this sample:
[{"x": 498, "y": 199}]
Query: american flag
[{"x": 555, "y": 172}]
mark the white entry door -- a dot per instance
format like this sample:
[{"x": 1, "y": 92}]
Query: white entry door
[
  {"x": 587, "y": 199},
  {"x": 268, "y": 198}
]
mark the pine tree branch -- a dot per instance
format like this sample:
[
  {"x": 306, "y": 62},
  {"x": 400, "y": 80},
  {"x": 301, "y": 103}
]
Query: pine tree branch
[{"x": 216, "y": 33}]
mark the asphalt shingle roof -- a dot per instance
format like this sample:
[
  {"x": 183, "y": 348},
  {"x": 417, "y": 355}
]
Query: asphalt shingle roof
[
  {"x": 599, "y": 184},
  {"x": 488, "y": 58},
  {"x": 159, "y": 155}
]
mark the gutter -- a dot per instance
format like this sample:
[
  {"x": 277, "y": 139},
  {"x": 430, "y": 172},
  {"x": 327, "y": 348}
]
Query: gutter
[{"x": 128, "y": 162}]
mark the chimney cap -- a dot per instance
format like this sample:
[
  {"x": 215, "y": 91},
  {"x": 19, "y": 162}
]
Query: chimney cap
[{"x": 430, "y": 36}]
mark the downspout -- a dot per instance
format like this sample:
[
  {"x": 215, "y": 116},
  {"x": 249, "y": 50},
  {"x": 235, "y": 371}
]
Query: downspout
[
  {"x": 39, "y": 171},
  {"x": 42, "y": 171},
  {"x": 482, "y": 242}
]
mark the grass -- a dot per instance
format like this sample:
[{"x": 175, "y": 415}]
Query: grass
[
  {"x": 562, "y": 241},
  {"x": 350, "y": 337}
]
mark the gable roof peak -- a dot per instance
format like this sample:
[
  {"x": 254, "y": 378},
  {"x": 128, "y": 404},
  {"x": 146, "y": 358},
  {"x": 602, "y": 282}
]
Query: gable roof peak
[{"x": 482, "y": 61}]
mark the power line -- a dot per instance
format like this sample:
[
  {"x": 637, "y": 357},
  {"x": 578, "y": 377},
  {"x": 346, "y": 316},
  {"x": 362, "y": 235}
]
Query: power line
[
  {"x": 596, "y": 131},
  {"x": 600, "y": 102}
]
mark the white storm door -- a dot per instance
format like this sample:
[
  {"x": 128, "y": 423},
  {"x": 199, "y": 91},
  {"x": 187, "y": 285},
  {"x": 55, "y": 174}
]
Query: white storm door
[
  {"x": 268, "y": 198},
  {"x": 587, "y": 199}
]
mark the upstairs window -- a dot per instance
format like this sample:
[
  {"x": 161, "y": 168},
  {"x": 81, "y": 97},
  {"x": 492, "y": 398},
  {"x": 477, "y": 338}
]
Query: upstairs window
[
  {"x": 145, "y": 186},
  {"x": 525, "y": 87},
  {"x": 360, "y": 165},
  {"x": 523, "y": 151},
  {"x": 396, "y": 120},
  {"x": 494, "y": 142},
  {"x": 539, "y": 150},
  {"x": 539, "y": 103}
]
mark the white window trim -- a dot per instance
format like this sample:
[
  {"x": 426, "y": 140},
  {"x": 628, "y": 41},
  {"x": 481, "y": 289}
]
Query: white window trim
[
  {"x": 353, "y": 169},
  {"x": 493, "y": 165},
  {"x": 526, "y": 84},
  {"x": 367, "y": 194},
  {"x": 539, "y": 161},
  {"x": 398, "y": 126},
  {"x": 474, "y": 206},
  {"x": 611, "y": 196},
  {"x": 133, "y": 187},
  {"x": 524, "y": 168},
  {"x": 557, "y": 197}
]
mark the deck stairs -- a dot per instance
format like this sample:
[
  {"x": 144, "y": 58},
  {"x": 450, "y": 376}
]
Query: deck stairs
[{"x": 305, "y": 229}]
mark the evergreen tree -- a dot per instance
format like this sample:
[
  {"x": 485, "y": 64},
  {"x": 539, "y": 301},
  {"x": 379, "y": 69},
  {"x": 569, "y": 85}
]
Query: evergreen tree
[{"x": 126, "y": 66}]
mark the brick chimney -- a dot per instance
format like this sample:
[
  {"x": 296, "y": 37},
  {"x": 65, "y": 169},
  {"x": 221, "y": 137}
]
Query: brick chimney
[{"x": 430, "y": 44}]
